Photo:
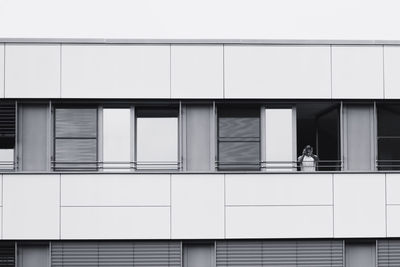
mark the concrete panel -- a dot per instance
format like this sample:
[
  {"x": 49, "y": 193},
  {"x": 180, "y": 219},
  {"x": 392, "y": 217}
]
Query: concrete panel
[
  {"x": 1, "y": 70},
  {"x": 357, "y": 71},
  {"x": 279, "y": 189},
  {"x": 115, "y": 223},
  {"x": 393, "y": 221},
  {"x": 359, "y": 205},
  {"x": 393, "y": 189},
  {"x": 197, "y": 206},
  {"x": 115, "y": 71},
  {"x": 115, "y": 190},
  {"x": 31, "y": 206},
  {"x": 392, "y": 71},
  {"x": 197, "y": 71},
  {"x": 277, "y": 71},
  {"x": 32, "y": 71},
  {"x": 279, "y": 222}
]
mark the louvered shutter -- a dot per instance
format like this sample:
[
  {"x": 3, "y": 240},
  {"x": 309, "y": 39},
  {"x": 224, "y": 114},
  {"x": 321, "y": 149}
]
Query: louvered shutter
[
  {"x": 116, "y": 254},
  {"x": 7, "y": 125},
  {"x": 75, "y": 138},
  {"x": 280, "y": 253},
  {"x": 388, "y": 253},
  {"x": 239, "y": 139},
  {"x": 7, "y": 254}
]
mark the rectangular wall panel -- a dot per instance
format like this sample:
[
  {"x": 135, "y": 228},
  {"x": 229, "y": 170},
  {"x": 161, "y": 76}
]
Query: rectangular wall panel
[
  {"x": 393, "y": 220},
  {"x": 37, "y": 200},
  {"x": 277, "y": 71},
  {"x": 197, "y": 71},
  {"x": 198, "y": 143},
  {"x": 32, "y": 71},
  {"x": 1, "y": 70},
  {"x": 34, "y": 137},
  {"x": 359, "y": 202},
  {"x": 392, "y": 71},
  {"x": 393, "y": 189},
  {"x": 278, "y": 189},
  {"x": 115, "y": 190},
  {"x": 357, "y": 71},
  {"x": 115, "y": 223},
  {"x": 279, "y": 140},
  {"x": 279, "y": 222},
  {"x": 115, "y": 71},
  {"x": 197, "y": 206}
]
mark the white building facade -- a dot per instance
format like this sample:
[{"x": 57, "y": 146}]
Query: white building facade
[{"x": 184, "y": 153}]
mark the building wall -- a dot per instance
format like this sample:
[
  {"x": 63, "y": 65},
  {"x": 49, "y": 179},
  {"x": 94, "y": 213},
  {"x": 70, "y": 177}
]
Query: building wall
[
  {"x": 199, "y": 206},
  {"x": 199, "y": 71}
]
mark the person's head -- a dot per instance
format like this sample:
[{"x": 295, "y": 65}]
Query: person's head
[{"x": 308, "y": 150}]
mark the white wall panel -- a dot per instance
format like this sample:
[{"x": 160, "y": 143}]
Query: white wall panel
[
  {"x": 277, "y": 71},
  {"x": 115, "y": 190},
  {"x": 279, "y": 139},
  {"x": 393, "y": 221},
  {"x": 279, "y": 222},
  {"x": 115, "y": 71},
  {"x": 32, "y": 71},
  {"x": 115, "y": 223},
  {"x": 392, "y": 188},
  {"x": 31, "y": 206},
  {"x": 279, "y": 189},
  {"x": 197, "y": 206},
  {"x": 359, "y": 201},
  {"x": 197, "y": 71},
  {"x": 357, "y": 71},
  {"x": 392, "y": 71},
  {"x": 1, "y": 70}
]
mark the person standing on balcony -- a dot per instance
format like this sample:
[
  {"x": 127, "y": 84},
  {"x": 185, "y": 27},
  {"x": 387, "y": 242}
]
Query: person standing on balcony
[{"x": 308, "y": 161}]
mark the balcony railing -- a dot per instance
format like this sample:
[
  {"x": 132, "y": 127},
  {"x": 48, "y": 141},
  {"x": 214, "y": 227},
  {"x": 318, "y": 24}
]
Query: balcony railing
[
  {"x": 321, "y": 165},
  {"x": 8, "y": 166},
  {"x": 115, "y": 165}
]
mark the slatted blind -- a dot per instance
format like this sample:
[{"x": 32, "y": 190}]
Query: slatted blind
[
  {"x": 280, "y": 253},
  {"x": 7, "y": 254},
  {"x": 238, "y": 138},
  {"x": 75, "y": 138},
  {"x": 116, "y": 254},
  {"x": 7, "y": 125},
  {"x": 388, "y": 253}
]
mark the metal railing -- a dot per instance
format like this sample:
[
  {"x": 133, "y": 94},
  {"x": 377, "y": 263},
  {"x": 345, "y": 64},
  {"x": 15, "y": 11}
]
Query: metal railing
[
  {"x": 321, "y": 165},
  {"x": 10, "y": 166},
  {"x": 387, "y": 165},
  {"x": 115, "y": 165}
]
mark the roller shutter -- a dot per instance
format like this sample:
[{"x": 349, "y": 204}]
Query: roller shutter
[
  {"x": 280, "y": 253},
  {"x": 7, "y": 254},
  {"x": 116, "y": 254},
  {"x": 388, "y": 253}
]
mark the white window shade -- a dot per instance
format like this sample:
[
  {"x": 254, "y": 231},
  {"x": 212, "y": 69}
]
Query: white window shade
[
  {"x": 279, "y": 139},
  {"x": 116, "y": 139},
  {"x": 157, "y": 143}
]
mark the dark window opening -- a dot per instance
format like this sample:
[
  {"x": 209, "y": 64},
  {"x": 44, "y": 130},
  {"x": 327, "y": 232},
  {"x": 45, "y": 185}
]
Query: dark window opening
[
  {"x": 318, "y": 125},
  {"x": 7, "y": 135},
  {"x": 238, "y": 138},
  {"x": 388, "y": 137}
]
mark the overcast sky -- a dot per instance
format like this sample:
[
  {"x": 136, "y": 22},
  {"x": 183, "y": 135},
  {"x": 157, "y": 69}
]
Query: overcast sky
[{"x": 220, "y": 19}]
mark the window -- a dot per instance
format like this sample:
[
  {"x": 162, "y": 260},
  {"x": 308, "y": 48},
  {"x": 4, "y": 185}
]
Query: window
[
  {"x": 157, "y": 138},
  {"x": 117, "y": 139},
  {"x": 318, "y": 125},
  {"x": 238, "y": 138},
  {"x": 7, "y": 135},
  {"x": 75, "y": 144},
  {"x": 388, "y": 137}
]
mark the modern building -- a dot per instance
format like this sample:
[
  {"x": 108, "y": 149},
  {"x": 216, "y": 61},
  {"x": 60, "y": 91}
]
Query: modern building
[{"x": 185, "y": 153}]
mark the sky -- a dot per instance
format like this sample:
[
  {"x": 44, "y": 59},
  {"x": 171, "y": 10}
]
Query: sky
[{"x": 201, "y": 19}]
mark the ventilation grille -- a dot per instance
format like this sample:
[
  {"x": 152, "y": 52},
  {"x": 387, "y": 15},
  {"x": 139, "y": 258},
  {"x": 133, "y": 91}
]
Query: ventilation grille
[
  {"x": 116, "y": 254},
  {"x": 7, "y": 255},
  {"x": 280, "y": 253},
  {"x": 388, "y": 253}
]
